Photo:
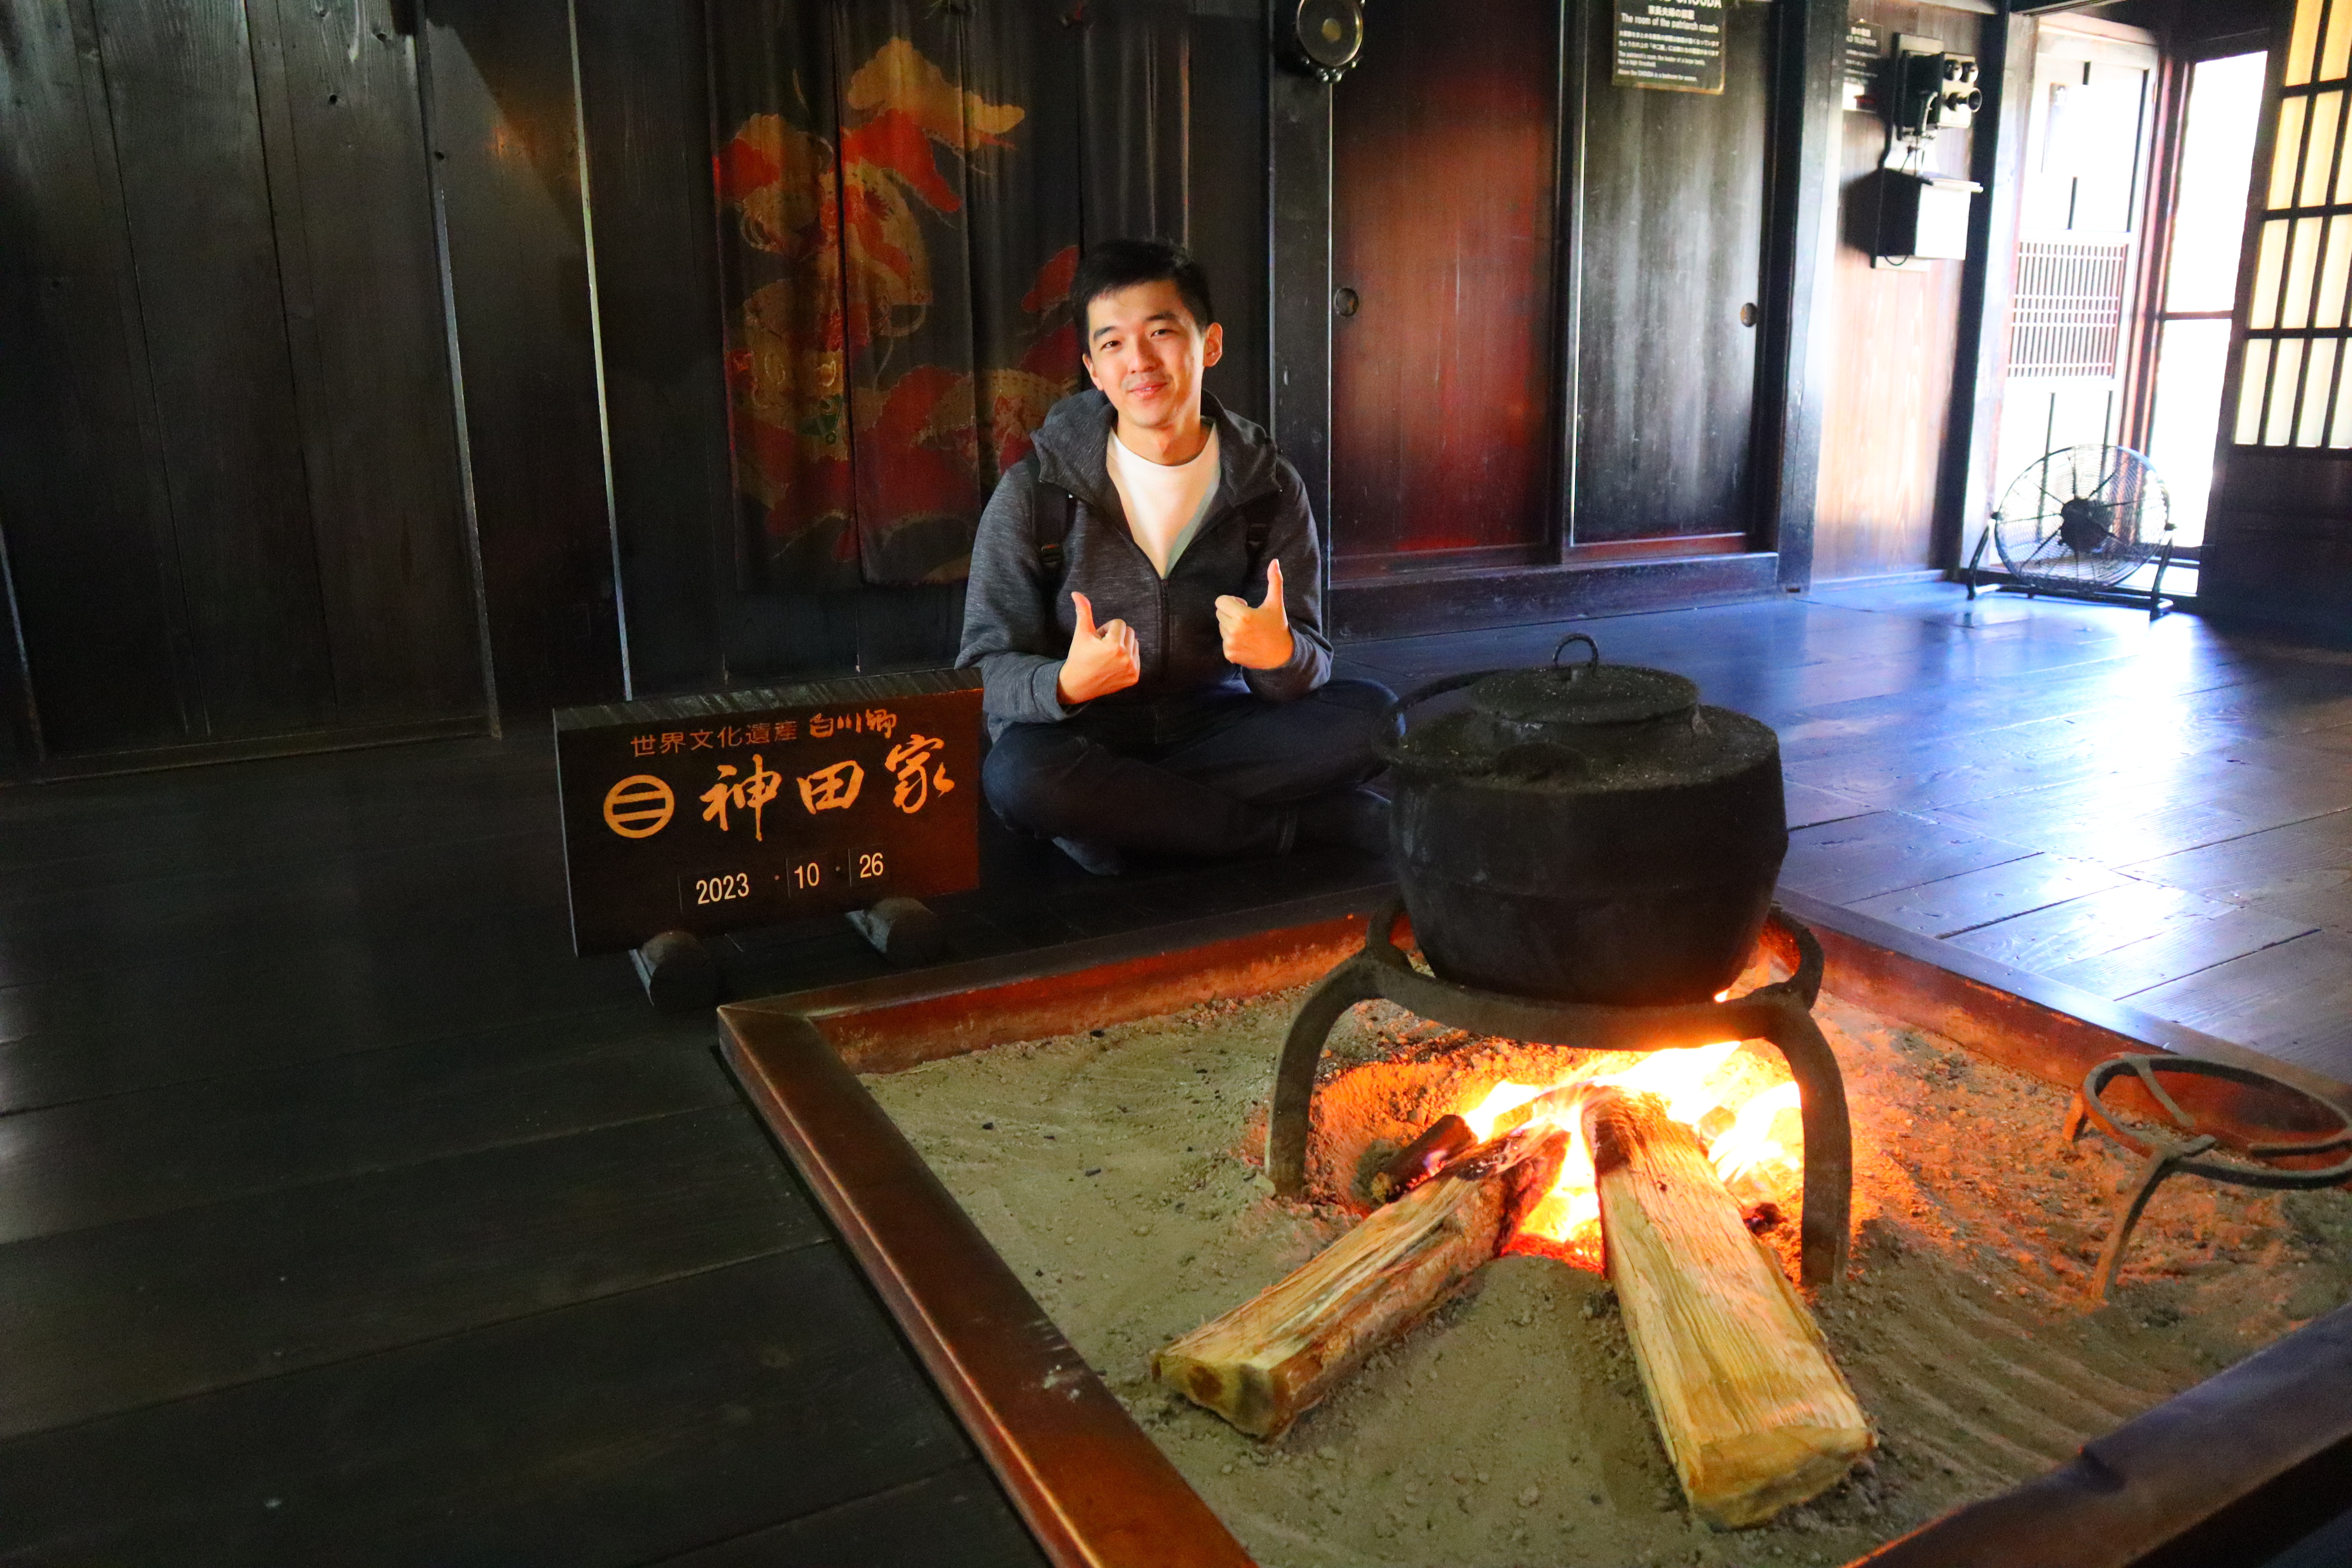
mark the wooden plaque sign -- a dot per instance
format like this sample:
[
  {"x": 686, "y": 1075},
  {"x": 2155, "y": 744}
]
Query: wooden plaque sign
[
  {"x": 1672, "y": 44},
  {"x": 707, "y": 814}
]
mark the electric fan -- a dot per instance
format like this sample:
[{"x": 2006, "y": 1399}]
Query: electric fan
[{"x": 2077, "y": 523}]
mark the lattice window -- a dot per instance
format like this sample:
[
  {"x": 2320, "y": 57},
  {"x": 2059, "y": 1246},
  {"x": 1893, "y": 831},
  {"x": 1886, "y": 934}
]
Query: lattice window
[
  {"x": 2291, "y": 392},
  {"x": 2069, "y": 311}
]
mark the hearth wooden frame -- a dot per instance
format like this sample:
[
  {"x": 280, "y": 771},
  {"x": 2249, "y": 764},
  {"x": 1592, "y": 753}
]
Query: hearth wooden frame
[{"x": 2260, "y": 1453}]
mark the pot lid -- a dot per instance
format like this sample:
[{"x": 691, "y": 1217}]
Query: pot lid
[{"x": 1587, "y": 693}]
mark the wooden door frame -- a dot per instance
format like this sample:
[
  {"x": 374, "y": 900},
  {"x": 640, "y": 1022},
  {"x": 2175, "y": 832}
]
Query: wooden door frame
[
  {"x": 2175, "y": 65},
  {"x": 2258, "y": 211},
  {"x": 1972, "y": 481},
  {"x": 1806, "y": 67},
  {"x": 1972, "y": 472}
]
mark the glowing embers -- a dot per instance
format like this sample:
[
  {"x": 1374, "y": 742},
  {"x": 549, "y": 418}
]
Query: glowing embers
[
  {"x": 1777, "y": 1013},
  {"x": 1743, "y": 1106}
]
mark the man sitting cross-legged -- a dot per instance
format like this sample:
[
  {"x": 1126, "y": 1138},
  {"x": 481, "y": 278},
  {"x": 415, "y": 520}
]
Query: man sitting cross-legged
[{"x": 1145, "y": 608}]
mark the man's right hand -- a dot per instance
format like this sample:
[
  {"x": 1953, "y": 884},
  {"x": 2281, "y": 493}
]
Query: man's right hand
[{"x": 1102, "y": 659}]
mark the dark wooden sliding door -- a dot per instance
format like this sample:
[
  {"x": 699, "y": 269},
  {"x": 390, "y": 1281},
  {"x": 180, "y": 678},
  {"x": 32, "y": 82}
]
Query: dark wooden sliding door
[
  {"x": 1544, "y": 333},
  {"x": 1443, "y": 358},
  {"x": 2278, "y": 538},
  {"x": 1669, "y": 292}
]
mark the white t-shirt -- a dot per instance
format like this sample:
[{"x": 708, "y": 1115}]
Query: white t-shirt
[{"x": 1166, "y": 502}]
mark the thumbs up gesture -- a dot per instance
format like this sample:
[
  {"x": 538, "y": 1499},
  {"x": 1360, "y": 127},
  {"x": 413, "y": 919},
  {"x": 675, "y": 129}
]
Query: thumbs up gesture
[
  {"x": 1256, "y": 637},
  {"x": 1102, "y": 659}
]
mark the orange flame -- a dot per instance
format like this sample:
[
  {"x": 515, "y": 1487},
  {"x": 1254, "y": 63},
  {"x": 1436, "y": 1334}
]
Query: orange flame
[{"x": 1757, "y": 1145}]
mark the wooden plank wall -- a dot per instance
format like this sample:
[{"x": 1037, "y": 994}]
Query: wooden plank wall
[
  {"x": 83, "y": 491},
  {"x": 182, "y": 93},
  {"x": 1896, "y": 332},
  {"x": 267, "y": 552},
  {"x": 371, "y": 372},
  {"x": 1299, "y": 230},
  {"x": 239, "y": 247},
  {"x": 228, "y": 486}
]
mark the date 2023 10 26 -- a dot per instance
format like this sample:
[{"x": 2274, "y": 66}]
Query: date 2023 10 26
[{"x": 814, "y": 800}]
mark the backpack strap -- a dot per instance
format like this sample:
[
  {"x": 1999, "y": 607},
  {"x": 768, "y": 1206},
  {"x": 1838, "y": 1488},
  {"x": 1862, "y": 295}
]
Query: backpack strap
[
  {"x": 1051, "y": 510},
  {"x": 1257, "y": 520}
]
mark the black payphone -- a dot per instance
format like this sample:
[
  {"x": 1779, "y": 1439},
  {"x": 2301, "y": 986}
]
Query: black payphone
[
  {"x": 1934, "y": 89},
  {"x": 1923, "y": 215}
]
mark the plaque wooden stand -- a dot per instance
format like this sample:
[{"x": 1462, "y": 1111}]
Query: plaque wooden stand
[
  {"x": 903, "y": 931},
  {"x": 677, "y": 972}
]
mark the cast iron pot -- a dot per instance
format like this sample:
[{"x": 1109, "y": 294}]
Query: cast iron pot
[{"x": 1588, "y": 834}]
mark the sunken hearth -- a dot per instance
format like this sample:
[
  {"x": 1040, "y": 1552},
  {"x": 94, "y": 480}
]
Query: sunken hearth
[
  {"x": 1117, "y": 1175},
  {"x": 1615, "y": 1163}
]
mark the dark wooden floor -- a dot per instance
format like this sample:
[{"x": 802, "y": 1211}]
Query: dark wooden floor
[{"x": 347, "y": 1218}]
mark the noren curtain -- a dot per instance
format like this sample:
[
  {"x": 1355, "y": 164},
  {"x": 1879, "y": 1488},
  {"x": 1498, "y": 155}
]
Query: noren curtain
[{"x": 903, "y": 189}]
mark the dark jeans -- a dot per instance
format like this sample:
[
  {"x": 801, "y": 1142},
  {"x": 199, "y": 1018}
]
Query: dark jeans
[{"x": 1200, "y": 775}]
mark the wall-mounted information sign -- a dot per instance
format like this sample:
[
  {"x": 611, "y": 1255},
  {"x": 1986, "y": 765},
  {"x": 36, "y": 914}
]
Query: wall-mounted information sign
[
  {"x": 1669, "y": 43},
  {"x": 706, "y": 814},
  {"x": 1865, "y": 54}
]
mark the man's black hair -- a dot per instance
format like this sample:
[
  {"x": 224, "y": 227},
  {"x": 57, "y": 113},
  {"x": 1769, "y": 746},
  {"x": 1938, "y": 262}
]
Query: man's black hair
[{"x": 1117, "y": 264}]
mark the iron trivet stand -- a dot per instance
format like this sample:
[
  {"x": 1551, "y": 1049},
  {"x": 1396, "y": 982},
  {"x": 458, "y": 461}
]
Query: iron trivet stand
[
  {"x": 1780, "y": 1013},
  {"x": 2164, "y": 1155}
]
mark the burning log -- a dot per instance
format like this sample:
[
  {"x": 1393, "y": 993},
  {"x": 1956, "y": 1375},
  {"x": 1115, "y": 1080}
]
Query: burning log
[
  {"x": 1755, "y": 1414},
  {"x": 1268, "y": 1360},
  {"x": 1447, "y": 1138}
]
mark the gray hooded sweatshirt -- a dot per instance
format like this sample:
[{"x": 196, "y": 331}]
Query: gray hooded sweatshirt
[{"x": 1017, "y": 626}]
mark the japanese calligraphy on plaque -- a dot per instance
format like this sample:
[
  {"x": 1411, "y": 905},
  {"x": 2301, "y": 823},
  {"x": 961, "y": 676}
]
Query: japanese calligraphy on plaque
[
  {"x": 707, "y": 814},
  {"x": 1672, "y": 44}
]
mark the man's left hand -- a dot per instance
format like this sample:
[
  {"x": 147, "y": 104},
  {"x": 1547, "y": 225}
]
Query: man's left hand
[{"x": 1257, "y": 637}]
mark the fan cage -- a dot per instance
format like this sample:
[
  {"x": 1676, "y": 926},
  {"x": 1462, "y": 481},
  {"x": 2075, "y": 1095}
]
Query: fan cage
[{"x": 2085, "y": 516}]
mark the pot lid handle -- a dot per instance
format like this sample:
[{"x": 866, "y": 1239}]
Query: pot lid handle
[{"x": 1590, "y": 664}]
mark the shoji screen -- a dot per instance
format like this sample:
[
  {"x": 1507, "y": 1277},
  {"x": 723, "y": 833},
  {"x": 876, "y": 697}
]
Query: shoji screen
[{"x": 2292, "y": 391}]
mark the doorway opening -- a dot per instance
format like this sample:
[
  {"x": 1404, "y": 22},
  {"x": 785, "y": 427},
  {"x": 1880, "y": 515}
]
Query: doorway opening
[
  {"x": 2131, "y": 223},
  {"x": 2081, "y": 231}
]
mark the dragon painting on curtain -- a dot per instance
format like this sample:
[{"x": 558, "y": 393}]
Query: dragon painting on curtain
[{"x": 899, "y": 269}]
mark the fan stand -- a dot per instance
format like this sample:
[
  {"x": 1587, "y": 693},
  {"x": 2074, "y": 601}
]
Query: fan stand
[{"x": 2031, "y": 587}]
